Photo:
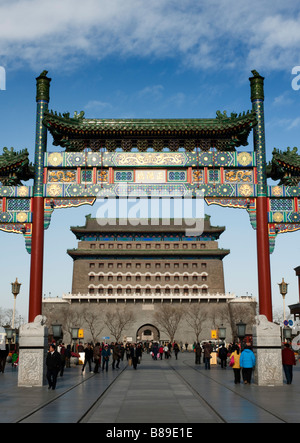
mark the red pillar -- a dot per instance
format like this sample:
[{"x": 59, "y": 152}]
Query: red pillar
[
  {"x": 37, "y": 259},
  {"x": 263, "y": 258},
  {"x": 37, "y": 239}
]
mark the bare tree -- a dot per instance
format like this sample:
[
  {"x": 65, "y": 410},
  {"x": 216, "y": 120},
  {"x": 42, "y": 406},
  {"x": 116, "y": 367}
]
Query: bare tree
[
  {"x": 168, "y": 317},
  {"x": 195, "y": 316},
  {"x": 117, "y": 320},
  {"x": 94, "y": 323}
]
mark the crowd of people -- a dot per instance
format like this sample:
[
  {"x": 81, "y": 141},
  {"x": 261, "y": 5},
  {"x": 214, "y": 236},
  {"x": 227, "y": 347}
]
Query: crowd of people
[
  {"x": 241, "y": 359},
  {"x": 97, "y": 357}
]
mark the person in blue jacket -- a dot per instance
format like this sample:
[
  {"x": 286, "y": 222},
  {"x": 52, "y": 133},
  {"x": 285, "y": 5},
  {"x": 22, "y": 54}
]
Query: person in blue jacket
[
  {"x": 247, "y": 363},
  {"x": 105, "y": 357}
]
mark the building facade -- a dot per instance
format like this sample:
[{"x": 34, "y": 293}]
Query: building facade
[
  {"x": 147, "y": 259},
  {"x": 145, "y": 270}
]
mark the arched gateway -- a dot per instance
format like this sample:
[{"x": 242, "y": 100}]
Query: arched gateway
[
  {"x": 100, "y": 158},
  {"x": 148, "y": 332}
]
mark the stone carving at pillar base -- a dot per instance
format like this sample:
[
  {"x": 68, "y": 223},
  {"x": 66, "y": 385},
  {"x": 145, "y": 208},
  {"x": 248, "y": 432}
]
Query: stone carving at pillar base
[
  {"x": 32, "y": 355},
  {"x": 267, "y": 348}
]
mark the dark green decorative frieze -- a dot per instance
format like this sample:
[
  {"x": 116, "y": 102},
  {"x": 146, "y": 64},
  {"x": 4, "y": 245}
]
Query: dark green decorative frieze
[{"x": 149, "y": 159}]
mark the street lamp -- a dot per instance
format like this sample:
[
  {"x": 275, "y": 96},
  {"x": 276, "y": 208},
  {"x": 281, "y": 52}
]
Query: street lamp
[
  {"x": 222, "y": 333},
  {"x": 74, "y": 334},
  {"x": 57, "y": 330},
  {"x": 9, "y": 334},
  {"x": 241, "y": 330},
  {"x": 15, "y": 289},
  {"x": 287, "y": 333},
  {"x": 283, "y": 289}
]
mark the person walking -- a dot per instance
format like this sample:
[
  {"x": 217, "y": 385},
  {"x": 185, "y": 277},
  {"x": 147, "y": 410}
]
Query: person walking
[
  {"x": 53, "y": 362},
  {"x": 116, "y": 356},
  {"x": 223, "y": 352},
  {"x": 68, "y": 354},
  {"x": 97, "y": 357},
  {"x": 166, "y": 351},
  {"x": 105, "y": 357},
  {"x": 247, "y": 363},
  {"x": 288, "y": 361},
  {"x": 88, "y": 352},
  {"x": 176, "y": 349},
  {"x": 127, "y": 350},
  {"x": 161, "y": 351},
  {"x": 235, "y": 356},
  {"x": 155, "y": 352},
  {"x": 198, "y": 352},
  {"x": 207, "y": 355},
  {"x": 135, "y": 355},
  {"x": 62, "y": 351},
  {"x": 4, "y": 351}
]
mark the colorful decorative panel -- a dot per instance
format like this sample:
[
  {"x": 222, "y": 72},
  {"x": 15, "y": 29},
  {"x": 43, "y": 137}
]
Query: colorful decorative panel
[
  {"x": 238, "y": 175},
  {"x": 19, "y": 204},
  {"x": 62, "y": 176},
  {"x": 87, "y": 176},
  {"x": 102, "y": 176},
  {"x": 177, "y": 176},
  {"x": 123, "y": 176},
  {"x": 150, "y": 159},
  {"x": 150, "y": 176}
]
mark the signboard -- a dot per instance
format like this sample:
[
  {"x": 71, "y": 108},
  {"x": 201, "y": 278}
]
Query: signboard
[
  {"x": 214, "y": 334},
  {"x": 80, "y": 333},
  {"x": 105, "y": 338}
]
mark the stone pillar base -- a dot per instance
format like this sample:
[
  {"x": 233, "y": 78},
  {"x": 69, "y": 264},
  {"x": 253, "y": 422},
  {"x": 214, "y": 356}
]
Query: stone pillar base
[
  {"x": 32, "y": 353},
  {"x": 267, "y": 349}
]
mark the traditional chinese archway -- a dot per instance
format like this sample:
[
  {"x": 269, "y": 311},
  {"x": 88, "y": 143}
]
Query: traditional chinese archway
[{"x": 157, "y": 158}]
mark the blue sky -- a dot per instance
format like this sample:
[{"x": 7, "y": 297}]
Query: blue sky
[{"x": 160, "y": 59}]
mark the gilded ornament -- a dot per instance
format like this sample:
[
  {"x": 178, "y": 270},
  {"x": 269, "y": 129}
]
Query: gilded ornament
[
  {"x": 55, "y": 159},
  {"x": 277, "y": 191},
  {"x": 278, "y": 217},
  {"x": 23, "y": 191},
  {"x": 244, "y": 158},
  {"x": 238, "y": 176},
  {"x": 54, "y": 190},
  {"x": 21, "y": 217},
  {"x": 246, "y": 190}
]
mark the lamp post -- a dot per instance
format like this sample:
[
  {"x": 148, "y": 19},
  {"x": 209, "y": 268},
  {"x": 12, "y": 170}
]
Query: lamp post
[
  {"x": 222, "y": 333},
  {"x": 74, "y": 334},
  {"x": 9, "y": 334},
  {"x": 57, "y": 331},
  {"x": 241, "y": 330},
  {"x": 15, "y": 289},
  {"x": 287, "y": 334},
  {"x": 283, "y": 289}
]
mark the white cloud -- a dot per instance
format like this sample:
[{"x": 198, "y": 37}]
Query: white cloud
[{"x": 210, "y": 33}]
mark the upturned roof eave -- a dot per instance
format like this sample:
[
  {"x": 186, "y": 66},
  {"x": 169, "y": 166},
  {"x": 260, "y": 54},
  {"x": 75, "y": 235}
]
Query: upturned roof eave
[{"x": 127, "y": 126}]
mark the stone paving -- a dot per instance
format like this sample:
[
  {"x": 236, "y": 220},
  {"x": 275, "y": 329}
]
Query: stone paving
[{"x": 159, "y": 392}]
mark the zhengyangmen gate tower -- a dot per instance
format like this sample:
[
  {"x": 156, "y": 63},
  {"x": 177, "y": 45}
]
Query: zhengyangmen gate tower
[{"x": 153, "y": 158}]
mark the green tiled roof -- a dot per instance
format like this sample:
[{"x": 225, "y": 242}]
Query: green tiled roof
[
  {"x": 63, "y": 127},
  {"x": 285, "y": 166},
  {"x": 14, "y": 167}
]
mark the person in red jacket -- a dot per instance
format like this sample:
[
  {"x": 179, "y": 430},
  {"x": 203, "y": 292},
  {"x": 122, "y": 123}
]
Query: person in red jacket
[{"x": 288, "y": 361}]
